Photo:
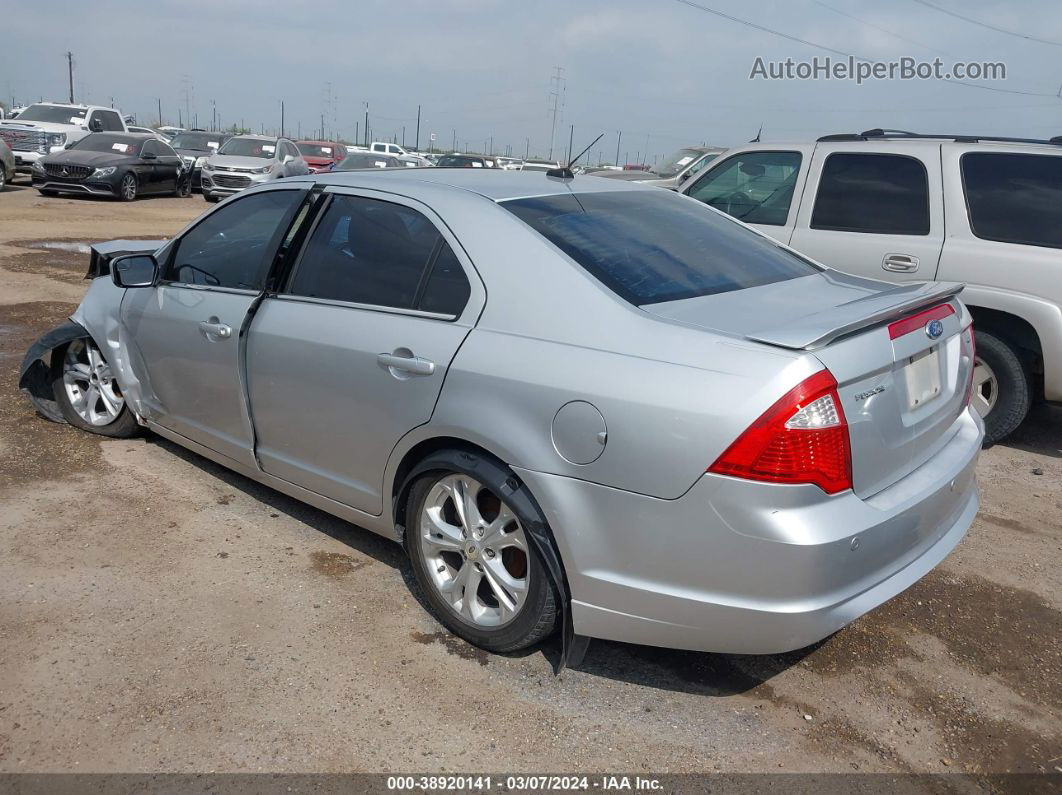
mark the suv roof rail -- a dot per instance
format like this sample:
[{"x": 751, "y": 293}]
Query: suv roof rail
[{"x": 879, "y": 132}]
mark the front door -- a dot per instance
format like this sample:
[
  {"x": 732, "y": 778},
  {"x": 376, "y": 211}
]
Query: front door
[
  {"x": 187, "y": 329},
  {"x": 352, "y": 354}
]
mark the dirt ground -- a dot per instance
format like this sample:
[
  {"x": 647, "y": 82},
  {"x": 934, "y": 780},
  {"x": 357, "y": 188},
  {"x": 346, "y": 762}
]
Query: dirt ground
[{"x": 158, "y": 613}]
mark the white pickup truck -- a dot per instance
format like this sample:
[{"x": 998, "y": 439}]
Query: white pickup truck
[
  {"x": 47, "y": 127},
  {"x": 900, "y": 206}
]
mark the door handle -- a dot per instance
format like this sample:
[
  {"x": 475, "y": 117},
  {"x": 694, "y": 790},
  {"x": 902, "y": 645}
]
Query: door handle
[
  {"x": 406, "y": 364},
  {"x": 212, "y": 328},
  {"x": 900, "y": 263}
]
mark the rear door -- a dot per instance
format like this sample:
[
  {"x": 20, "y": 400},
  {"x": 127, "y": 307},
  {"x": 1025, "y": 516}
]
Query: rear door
[
  {"x": 876, "y": 212},
  {"x": 760, "y": 187},
  {"x": 353, "y": 352},
  {"x": 169, "y": 166},
  {"x": 187, "y": 329}
]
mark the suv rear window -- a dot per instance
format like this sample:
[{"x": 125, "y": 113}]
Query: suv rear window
[
  {"x": 873, "y": 193},
  {"x": 652, "y": 246},
  {"x": 1014, "y": 198}
]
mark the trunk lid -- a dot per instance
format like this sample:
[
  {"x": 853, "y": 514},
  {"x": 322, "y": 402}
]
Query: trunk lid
[{"x": 901, "y": 389}]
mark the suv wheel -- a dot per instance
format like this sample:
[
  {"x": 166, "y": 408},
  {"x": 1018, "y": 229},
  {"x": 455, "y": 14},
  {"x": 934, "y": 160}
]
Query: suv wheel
[{"x": 1001, "y": 390}]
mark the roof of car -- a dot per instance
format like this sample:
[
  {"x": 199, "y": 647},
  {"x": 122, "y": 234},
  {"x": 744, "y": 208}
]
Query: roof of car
[
  {"x": 310, "y": 141},
  {"x": 495, "y": 184}
]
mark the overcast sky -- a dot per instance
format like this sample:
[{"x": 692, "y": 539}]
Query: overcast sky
[{"x": 663, "y": 72}]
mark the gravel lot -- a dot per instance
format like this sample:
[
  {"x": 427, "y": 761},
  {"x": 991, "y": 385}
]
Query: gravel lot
[{"x": 158, "y": 613}]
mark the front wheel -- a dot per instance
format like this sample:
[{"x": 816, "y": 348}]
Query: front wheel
[
  {"x": 475, "y": 562},
  {"x": 1001, "y": 390},
  {"x": 210, "y": 198},
  {"x": 87, "y": 393},
  {"x": 127, "y": 187},
  {"x": 184, "y": 188}
]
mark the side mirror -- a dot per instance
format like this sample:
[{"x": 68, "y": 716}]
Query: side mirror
[
  {"x": 96, "y": 125},
  {"x": 68, "y": 144},
  {"x": 149, "y": 156},
  {"x": 134, "y": 270},
  {"x": 684, "y": 176},
  {"x": 288, "y": 158}
]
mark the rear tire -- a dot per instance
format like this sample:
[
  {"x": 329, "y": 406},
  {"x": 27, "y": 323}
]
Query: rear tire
[
  {"x": 511, "y": 603},
  {"x": 1002, "y": 391},
  {"x": 87, "y": 393},
  {"x": 3, "y": 178}
]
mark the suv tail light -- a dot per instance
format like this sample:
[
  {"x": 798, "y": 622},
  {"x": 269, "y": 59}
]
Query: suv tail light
[{"x": 802, "y": 438}]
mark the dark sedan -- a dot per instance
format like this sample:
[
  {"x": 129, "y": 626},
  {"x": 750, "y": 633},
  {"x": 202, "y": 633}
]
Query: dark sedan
[
  {"x": 359, "y": 160},
  {"x": 194, "y": 147},
  {"x": 121, "y": 165}
]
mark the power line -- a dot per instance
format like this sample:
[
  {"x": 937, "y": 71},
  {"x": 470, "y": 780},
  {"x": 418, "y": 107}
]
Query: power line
[
  {"x": 798, "y": 40},
  {"x": 972, "y": 21},
  {"x": 883, "y": 30}
]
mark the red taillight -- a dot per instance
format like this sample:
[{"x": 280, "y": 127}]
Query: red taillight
[
  {"x": 802, "y": 438},
  {"x": 973, "y": 364},
  {"x": 919, "y": 320}
]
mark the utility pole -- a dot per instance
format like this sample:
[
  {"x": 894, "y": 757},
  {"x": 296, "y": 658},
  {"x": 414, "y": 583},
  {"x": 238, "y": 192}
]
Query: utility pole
[
  {"x": 366, "y": 125},
  {"x": 160, "y": 111},
  {"x": 281, "y": 118},
  {"x": 357, "y": 131},
  {"x": 455, "y": 142},
  {"x": 571, "y": 138},
  {"x": 70, "y": 73},
  {"x": 527, "y": 148},
  {"x": 403, "y": 136},
  {"x": 556, "y": 81},
  {"x": 619, "y": 137},
  {"x": 214, "y": 114},
  {"x": 416, "y": 146},
  {"x": 322, "y": 127},
  {"x": 491, "y": 146}
]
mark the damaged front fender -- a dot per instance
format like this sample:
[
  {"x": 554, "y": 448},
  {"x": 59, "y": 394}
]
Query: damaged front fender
[{"x": 35, "y": 375}]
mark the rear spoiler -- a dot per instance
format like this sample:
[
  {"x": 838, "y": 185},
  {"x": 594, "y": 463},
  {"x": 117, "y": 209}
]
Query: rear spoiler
[
  {"x": 821, "y": 328},
  {"x": 102, "y": 253}
]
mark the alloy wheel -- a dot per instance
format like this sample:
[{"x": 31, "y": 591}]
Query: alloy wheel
[
  {"x": 94, "y": 394},
  {"x": 128, "y": 187},
  {"x": 985, "y": 388},
  {"x": 475, "y": 550}
]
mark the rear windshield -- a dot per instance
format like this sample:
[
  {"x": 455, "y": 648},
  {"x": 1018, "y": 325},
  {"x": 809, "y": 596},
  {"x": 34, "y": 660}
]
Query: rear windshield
[
  {"x": 316, "y": 150},
  {"x": 366, "y": 160},
  {"x": 653, "y": 246},
  {"x": 459, "y": 161}
]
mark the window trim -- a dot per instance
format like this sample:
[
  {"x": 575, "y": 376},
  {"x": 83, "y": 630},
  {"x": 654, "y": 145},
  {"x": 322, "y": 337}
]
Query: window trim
[
  {"x": 703, "y": 174},
  {"x": 848, "y": 153},
  {"x": 284, "y": 290},
  {"x": 966, "y": 199},
  {"x": 282, "y": 229}
]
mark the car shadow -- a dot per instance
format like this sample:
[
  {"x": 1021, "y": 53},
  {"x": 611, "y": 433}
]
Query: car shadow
[
  {"x": 1040, "y": 433},
  {"x": 677, "y": 670}
]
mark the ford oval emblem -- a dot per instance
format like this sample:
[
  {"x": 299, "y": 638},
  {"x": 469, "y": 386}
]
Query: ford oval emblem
[{"x": 934, "y": 328}]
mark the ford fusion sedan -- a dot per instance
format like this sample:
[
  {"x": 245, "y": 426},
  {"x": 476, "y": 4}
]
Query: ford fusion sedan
[
  {"x": 246, "y": 160},
  {"x": 576, "y": 403},
  {"x": 119, "y": 165}
]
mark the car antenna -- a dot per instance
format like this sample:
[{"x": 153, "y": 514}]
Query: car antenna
[{"x": 565, "y": 172}]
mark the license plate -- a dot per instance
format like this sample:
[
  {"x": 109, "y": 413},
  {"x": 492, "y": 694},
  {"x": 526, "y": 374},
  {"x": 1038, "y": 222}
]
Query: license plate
[{"x": 922, "y": 375}]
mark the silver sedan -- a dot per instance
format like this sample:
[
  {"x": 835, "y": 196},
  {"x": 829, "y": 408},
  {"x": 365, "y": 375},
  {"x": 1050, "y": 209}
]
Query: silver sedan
[{"x": 577, "y": 403}]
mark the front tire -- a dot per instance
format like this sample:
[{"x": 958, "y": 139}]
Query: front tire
[
  {"x": 127, "y": 188},
  {"x": 473, "y": 559},
  {"x": 210, "y": 198},
  {"x": 184, "y": 188},
  {"x": 87, "y": 393},
  {"x": 1002, "y": 393}
]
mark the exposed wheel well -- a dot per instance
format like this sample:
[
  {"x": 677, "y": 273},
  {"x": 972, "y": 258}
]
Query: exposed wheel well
[
  {"x": 416, "y": 454},
  {"x": 1016, "y": 331}
]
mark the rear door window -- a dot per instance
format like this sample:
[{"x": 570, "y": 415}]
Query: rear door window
[
  {"x": 872, "y": 193},
  {"x": 650, "y": 246},
  {"x": 754, "y": 187},
  {"x": 1014, "y": 198},
  {"x": 366, "y": 251}
]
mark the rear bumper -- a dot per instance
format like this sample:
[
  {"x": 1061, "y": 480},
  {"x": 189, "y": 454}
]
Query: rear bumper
[{"x": 751, "y": 568}]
